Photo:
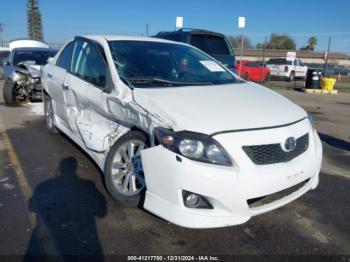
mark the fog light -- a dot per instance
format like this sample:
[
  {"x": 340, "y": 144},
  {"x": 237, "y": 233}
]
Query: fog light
[{"x": 192, "y": 200}]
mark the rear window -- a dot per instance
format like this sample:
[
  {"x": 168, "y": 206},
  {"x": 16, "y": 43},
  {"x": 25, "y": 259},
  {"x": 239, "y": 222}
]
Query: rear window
[
  {"x": 279, "y": 61},
  {"x": 212, "y": 45}
]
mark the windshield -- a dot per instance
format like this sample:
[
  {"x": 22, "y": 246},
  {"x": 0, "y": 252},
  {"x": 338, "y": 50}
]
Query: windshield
[
  {"x": 155, "y": 64},
  {"x": 39, "y": 57},
  {"x": 212, "y": 45}
]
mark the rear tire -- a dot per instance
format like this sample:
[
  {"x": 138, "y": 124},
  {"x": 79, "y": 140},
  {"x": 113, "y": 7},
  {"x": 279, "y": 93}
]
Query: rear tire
[
  {"x": 291, "y": 76},
  {"x": 49, "y": 115},
  {"x": 123, "y": 174},
  {"x": 9, "y": 93}
]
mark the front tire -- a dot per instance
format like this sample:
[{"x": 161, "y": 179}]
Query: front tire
[
  {"x": 9, "y": 93},
  {"x": 123, "y": 174},
  {"x": 49, "y": 115}
]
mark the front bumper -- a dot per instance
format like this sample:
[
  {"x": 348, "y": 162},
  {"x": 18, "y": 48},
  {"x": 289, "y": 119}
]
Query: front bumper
[{"x": 228, "y": 189}]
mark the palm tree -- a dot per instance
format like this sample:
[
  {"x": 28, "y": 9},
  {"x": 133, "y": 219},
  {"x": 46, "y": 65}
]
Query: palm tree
[
  {"x": 35, "y": 30},
  {"x": 312, "y": 42}
]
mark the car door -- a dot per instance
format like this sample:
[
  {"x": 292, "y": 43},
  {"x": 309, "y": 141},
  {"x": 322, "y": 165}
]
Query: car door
[
  {"x": 54, "y": 77},
  {"x": 85, "y": 95},
  {"x": 299, "y": 68}
]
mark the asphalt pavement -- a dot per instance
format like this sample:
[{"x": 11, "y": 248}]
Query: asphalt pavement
[{"x": 53, "y": 201}]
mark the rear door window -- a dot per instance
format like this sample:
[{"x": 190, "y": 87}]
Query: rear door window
[{"x": 212, "y": 45}]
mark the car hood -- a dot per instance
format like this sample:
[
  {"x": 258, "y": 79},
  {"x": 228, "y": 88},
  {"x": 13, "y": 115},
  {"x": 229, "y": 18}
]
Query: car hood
[
  {"x": 33, "y": 70},
  {"x": 215, "y": 108}
]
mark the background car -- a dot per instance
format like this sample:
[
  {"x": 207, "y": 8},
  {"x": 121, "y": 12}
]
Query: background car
[
  {"x": 22, "y": 70},
  {"x": 287, "y": 69},
  {"x": 4, "y": 53},
  {"x": 253, "y": 71},
  {"x": 213, "y": 43}
]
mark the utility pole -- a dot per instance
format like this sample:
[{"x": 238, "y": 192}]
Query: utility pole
[
  {"x": 147, "y": 28},
  {"x": 240, "y": 62},
  {"x": 326, "y": 56},
  {"x": 263, "y": 61},
  {"x": 241, "y": 24},
  {"x": 1, "y": 30}
]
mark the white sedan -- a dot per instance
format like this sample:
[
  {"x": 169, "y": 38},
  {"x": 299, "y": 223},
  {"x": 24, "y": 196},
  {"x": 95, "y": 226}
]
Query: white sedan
[{"x": 176, "y": 132}]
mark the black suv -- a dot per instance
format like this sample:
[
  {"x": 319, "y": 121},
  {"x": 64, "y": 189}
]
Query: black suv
[{"x": 212, "y": 43}]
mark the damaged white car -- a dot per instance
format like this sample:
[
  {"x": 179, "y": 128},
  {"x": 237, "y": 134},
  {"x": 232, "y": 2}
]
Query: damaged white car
[{"x": 175, "y": 131}]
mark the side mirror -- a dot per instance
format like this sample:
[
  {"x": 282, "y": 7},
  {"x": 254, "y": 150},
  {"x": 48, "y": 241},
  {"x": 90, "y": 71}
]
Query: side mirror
[{"x": 50, "y": 60}]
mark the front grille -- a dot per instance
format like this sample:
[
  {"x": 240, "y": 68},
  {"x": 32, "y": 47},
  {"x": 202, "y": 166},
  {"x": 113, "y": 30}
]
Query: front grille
[{"x": 273, "y": 153}]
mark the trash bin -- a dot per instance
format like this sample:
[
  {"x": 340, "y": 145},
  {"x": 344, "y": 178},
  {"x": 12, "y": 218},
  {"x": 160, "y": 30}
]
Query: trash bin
[
  {"x": 313, "y": 78},
  {"x": 327, "y": 83}
]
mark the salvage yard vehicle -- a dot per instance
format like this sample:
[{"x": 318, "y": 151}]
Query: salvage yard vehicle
[
  {"x": 22, "y": 70},
  {"x": 287, "y": 69},
  {"x": 177, "y": 133},
  {"x": 253, "y": 71},
  {"x": 213, "y": 43}
]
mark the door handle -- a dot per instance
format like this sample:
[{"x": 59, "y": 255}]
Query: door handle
[
  {"x": 65, "y": 86},
  {"x": 49, "y": 75}
]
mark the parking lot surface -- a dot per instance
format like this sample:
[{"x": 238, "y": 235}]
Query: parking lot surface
[{"x": 53, "y": 201}]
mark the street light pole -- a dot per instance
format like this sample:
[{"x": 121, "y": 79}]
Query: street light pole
[
  {"x": 326, "y": 58},
  {"x": 240, "y": 62},
  {"x": 241, "y": 24},
  {"x": 1, "y": 29},
  {"x": 263, "y": 61}
]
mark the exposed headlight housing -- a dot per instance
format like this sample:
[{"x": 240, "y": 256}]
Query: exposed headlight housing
[
  {"x": 34, "y": 80},
  {"x": 194, "y": 146}
]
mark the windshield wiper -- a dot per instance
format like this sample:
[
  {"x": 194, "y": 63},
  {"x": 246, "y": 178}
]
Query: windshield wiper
[{"x": 160, "y": 80}]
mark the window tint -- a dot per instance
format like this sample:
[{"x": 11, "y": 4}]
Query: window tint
[
  {"x": 88, "y": 64},
  {"x": 65, "y": 57},
  {"x": 212, "y": 45}
]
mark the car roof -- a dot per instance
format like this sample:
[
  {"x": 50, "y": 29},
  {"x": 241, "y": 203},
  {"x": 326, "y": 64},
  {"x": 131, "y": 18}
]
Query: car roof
[
  {"x": 103, "y": 38},
  {"x": 4, "y": 49},
  {"x": 192, "y": 31}
]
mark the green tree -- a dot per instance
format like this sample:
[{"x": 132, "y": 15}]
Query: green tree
[
  {"x": 236, "y": 42},
  {"x": 280, "y": 42},
  {"x": 311, "y": 44},
  {"x": 35, "y": 30}
]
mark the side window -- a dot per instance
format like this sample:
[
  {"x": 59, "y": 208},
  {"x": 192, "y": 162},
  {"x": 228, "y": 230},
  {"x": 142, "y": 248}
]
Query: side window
[
  {"x": 300, "y": 63},
  {"x": 88, "y": 64},
  {"x": 65, "y": 57}
]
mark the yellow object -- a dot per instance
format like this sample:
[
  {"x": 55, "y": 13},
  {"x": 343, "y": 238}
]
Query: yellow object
[{"x": 327, "y": 83}]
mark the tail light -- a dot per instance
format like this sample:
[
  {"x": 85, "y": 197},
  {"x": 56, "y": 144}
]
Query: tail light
[{"x": 286, "y": 69}]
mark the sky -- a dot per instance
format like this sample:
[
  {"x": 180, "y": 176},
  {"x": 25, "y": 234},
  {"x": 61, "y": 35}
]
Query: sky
[{"x": 63, "y": 19}]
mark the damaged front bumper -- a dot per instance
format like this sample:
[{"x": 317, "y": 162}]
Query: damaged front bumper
[{"x": 229, "y": 190}]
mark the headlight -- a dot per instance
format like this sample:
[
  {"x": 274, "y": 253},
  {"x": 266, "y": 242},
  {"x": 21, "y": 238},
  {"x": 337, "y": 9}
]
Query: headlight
[{"x": 194, "y": 146}]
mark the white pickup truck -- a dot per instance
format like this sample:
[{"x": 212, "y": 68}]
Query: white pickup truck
[{"x": 287, "y": 69}]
